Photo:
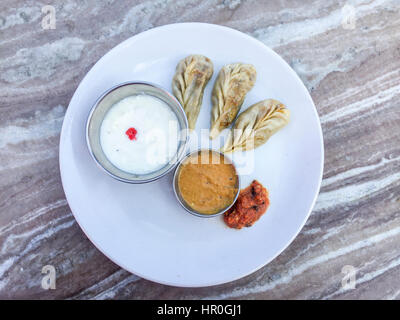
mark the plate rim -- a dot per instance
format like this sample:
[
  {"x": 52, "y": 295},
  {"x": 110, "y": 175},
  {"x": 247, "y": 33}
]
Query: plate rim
[{"x": 321, "y": 148}]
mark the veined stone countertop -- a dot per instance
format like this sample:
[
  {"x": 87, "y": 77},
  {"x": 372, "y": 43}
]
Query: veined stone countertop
[{"x": 346, "y": 52}]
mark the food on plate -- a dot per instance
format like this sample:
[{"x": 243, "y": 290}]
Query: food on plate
[
  {"x": 139, "y": 134},
  {"x": 191, "y": 77},
  {"x": 256, "y": 125},
  {"x": 251, "y": 204},
  {"x": 230, "y": 88},
  {"x": 207, "y": 182}
]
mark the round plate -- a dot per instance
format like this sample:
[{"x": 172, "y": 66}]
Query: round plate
[{"x": 143, "y": 228}]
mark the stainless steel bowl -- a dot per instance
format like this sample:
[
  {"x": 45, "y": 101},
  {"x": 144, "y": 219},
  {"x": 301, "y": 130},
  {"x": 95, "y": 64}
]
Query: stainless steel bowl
[
  {"x": 101, "y": 107},
  {"x": 183, "y": 202}
]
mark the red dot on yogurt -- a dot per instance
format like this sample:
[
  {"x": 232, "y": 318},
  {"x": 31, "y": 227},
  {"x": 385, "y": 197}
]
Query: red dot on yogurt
[{"x": 131, "y": 133}]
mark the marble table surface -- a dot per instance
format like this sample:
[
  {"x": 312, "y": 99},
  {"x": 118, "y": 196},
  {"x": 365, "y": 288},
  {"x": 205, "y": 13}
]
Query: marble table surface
[{"x": 346, "y": 52}]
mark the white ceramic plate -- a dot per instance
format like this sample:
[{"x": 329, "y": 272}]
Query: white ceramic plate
[{"x": 143, "y": 228}]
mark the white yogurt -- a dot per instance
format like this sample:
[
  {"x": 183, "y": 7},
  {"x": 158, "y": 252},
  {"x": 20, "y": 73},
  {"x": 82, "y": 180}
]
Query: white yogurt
[{"x": 156, "y": 140}]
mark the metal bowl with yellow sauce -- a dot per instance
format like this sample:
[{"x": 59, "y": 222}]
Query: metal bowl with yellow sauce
[{"x": 206, "y": 183}]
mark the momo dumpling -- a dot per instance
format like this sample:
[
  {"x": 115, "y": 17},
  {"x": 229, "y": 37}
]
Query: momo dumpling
[
  {"x": 191, "y": 76},
  {"x": 256, "y": 125},
  {"x": 230, "y": 88}
]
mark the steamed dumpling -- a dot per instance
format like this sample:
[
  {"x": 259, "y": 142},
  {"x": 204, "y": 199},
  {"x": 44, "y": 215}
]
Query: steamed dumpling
[
  {"x": 191, "y": 76},
  {"x": 256, "y": 125},
  {"x": 230, "y": 88}
]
